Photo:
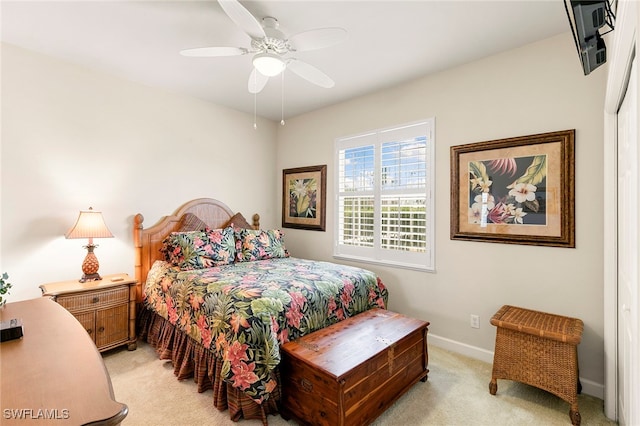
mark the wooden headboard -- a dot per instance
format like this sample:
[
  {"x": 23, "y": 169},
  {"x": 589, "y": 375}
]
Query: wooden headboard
[{"x": 147, "y": 242}]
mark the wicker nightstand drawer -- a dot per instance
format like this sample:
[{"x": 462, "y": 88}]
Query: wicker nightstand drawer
[
  {"x": 105, "y": 308},
  {"x": 82, "y": 301}
]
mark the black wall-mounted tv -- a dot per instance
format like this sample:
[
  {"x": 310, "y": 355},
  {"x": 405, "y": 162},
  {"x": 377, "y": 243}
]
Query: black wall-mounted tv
[{"x": 586, "y": 19}]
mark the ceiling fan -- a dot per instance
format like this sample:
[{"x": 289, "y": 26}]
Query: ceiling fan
[{"x": 271, "y": 49}]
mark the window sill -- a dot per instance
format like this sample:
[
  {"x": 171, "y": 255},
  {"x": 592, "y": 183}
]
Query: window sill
[{"x": 385, "y": 263}]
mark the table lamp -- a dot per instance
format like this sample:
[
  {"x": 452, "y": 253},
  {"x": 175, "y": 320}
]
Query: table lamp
[{"x": 90, "y": 224}]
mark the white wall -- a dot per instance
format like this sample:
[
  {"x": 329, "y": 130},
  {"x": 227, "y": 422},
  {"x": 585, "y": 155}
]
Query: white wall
[
  {"x": 535, "y": 89},
  {"x": 74, "y": 138}
]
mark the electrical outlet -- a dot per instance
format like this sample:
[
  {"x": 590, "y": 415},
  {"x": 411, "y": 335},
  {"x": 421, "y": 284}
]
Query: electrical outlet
[{"x": 475, "y": 321}]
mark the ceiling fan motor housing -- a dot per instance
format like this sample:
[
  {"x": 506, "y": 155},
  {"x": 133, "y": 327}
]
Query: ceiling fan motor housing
[{"x": 275, "y": 41}]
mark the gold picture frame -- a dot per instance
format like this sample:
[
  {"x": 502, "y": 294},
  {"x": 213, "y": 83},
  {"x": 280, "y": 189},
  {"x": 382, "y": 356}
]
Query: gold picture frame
[
  {"x": 304, "y": 197},
  {"x": 516, "y": 191}
]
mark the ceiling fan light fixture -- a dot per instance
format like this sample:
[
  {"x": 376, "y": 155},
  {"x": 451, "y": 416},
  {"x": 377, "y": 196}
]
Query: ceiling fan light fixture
[{"x": 268, "y": 64}]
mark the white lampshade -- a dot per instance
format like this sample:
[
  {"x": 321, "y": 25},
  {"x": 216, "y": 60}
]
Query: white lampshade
[
  {"x": 90, "y": 224},
  {"x": 268, "y": 64}
]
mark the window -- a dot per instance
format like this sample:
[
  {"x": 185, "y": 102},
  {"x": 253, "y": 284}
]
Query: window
[{"x": 384, "y": 186}]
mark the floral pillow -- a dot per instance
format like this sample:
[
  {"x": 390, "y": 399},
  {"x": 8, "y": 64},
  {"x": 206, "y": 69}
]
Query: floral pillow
[
  {"x": 223, "y": 243},
  {"x": 258, "y": 245},
  {"x": 199, "y": 249}
]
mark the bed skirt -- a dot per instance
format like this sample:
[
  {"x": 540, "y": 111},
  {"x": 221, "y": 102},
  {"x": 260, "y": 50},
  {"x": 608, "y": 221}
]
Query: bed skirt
[{"x": 191, "y": 359}]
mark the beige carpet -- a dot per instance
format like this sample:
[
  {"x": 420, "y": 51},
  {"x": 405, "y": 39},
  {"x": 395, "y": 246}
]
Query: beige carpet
[{"x": 456, "y": 393}]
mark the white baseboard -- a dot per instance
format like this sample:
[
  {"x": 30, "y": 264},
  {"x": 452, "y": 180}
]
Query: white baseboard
[
  {"x": 589, "y": 387},
  {"x": 461, "y": 348}
]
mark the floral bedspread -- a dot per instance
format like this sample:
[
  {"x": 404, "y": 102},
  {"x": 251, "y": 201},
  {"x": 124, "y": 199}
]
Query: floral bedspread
[{"x": 244, "y": 311}]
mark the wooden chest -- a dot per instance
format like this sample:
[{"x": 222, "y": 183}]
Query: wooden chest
[{"x": 350, "y": 372}]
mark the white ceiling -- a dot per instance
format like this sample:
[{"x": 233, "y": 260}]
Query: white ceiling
[{"x": 389, "y": 42}]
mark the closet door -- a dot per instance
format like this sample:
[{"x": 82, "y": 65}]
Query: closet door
[{"x": 628, "y": 189}]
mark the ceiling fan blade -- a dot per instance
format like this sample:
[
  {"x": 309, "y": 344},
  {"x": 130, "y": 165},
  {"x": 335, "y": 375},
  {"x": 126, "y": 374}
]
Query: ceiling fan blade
[
  {"x": 310, "y": 73},
  {"x": 214, "y": 51},
  {"x": 242, "y": 18},
  {"x": 318, "y": 38},
  {"x": 257, "y": 81}
]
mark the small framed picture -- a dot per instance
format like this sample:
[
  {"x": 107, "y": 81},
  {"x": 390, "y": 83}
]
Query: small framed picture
[{"x": 304, "y": 197}]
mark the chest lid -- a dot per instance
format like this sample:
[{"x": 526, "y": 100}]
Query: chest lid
[{"x": 343, "y": 346}]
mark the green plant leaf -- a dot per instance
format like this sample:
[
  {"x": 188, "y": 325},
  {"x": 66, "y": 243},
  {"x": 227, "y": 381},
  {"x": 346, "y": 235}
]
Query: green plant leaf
[
  {"x": 536, "y": 172},
  {"x": 302, "y": 205},
  {"x": 4, "y": 286},
  {"x": 534, "y": 206},
  {"x": 479, "y": 170}
]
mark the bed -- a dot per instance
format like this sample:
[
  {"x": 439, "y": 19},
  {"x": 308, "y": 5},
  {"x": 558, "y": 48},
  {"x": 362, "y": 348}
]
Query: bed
[{"x": 218, "y": 296}]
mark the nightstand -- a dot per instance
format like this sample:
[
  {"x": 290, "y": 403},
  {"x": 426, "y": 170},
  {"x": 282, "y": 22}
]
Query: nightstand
[{"x": 105, "y": 308}]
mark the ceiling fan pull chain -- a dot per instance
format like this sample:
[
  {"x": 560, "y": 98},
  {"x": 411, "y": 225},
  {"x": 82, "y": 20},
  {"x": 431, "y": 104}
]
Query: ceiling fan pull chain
[
  {"x": 255, "y": 125},
  {"x": 282, "y": 101}
]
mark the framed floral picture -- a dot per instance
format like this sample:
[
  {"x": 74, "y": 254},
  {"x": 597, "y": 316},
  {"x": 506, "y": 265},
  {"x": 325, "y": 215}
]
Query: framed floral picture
[
  {"x": 303, "y": 197},
  {"x": 516, "y": 191}
]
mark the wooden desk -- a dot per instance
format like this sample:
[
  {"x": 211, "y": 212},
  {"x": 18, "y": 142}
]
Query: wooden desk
[{"x": 54, "y": 374}]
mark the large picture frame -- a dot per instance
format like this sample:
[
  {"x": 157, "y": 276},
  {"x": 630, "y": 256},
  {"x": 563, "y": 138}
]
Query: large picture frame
[
  {"x": 516, "y": 191},
  {"x": 304, "y": 191}
]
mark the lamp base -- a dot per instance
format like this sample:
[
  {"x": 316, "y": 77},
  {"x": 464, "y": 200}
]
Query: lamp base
[
  {"x": 90, "y": 277},
  {"x": 90, "y": 265}
]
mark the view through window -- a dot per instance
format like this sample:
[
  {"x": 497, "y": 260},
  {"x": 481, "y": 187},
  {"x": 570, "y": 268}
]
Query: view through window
[{"x": 385, "y": 184}]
